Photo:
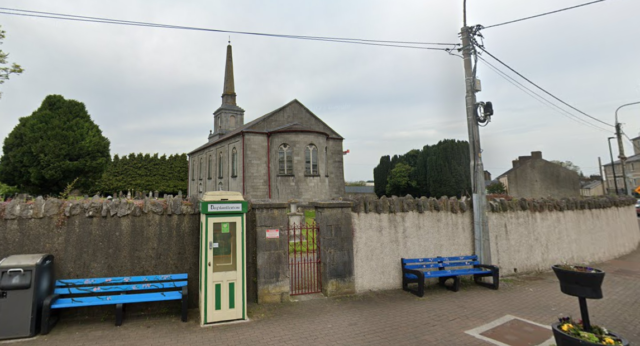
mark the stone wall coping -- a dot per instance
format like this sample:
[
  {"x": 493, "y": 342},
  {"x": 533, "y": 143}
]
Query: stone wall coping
[
  {"x": 332, "y": 204},
  {"x": 394, "y": 205}
]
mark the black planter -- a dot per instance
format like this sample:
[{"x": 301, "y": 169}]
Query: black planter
[
  {"x": 563, "y": 339},
  {"x": 580, "y": 284}
]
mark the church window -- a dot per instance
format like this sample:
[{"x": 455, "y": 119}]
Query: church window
[
  {"x": 326, "y": 162},
  {"x": 232, "y": 122},
  {"x": 234, "y": 162},
  {"x": 285, "y": 160},
  {"x": 218, "y": 128},
  {"x": 311, "y": 160},
  {"x": 193, "y": 169},
  {"x": 210, "y": 167},
  {"x": 220, "y": 166},
  {"x": 220, "y": 186},
  {"x": 200, "y": 168}
]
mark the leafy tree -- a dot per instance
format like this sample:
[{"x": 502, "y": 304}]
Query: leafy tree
[
  {"x": 569, "y": 165},
  {"x": 146, "y": 173},
  {"x": 496, "y": 188},
  {"x": 52, "y": 147},
  {"x": 400, "y": 182},
  {"x": 381, "y": 175},
  {"x": 436, "y": 170},
  {"x": 5, "y": 71}
]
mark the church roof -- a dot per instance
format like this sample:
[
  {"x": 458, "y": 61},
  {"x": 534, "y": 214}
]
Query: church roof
[{"x": 253, "y": 127}]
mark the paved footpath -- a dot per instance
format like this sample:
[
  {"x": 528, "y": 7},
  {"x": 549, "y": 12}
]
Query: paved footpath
[{"x": 379, "y": 318}]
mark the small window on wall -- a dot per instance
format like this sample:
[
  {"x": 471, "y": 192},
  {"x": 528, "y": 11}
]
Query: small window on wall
[
  {"x": 285, "y": 160},
  {"x": 234, "y": 163},
  {"x": 200, "y": 168},
  {"x": 220, "y": 166},
  {"x": 311, "y": 160},
  {"x": 326, "y": 162},
  {"x": 210, "y": 167},
  {"x": 220, "y": 186}
]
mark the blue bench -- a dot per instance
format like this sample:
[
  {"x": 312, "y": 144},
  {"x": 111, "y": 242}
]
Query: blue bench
[
  {"x": 416, "y": 270},
  {"x": 116, "y": 291}
]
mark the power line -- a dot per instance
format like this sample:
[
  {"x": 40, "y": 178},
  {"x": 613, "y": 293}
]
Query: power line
[
  {"x": 543, "y": 14},
  {"x": 384, "y": 43},
  {"x": 538, "y": 97},
  {"x": 543, "y": 90}
]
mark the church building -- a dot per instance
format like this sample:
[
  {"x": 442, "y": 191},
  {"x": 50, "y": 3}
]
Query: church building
[{"x": 289, "y": 153}]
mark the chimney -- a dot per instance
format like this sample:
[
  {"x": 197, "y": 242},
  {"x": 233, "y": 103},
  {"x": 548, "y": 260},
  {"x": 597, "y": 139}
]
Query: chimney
[
  {"x": 536, "y": 155},
  {"x": 515, "y": 163},
  {"x": 522, "y": 159}
]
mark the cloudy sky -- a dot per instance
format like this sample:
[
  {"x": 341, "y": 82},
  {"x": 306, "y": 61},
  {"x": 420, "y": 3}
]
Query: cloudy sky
[{"x": 154, "y": 90}]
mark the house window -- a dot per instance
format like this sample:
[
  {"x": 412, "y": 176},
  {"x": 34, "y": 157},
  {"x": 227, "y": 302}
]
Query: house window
[
  {"x": 285, "y": 160},
  {"x": 220, "y": 166},
  {"x": 311, "y": 160},
  {"x": 200, "y": 168},
  {"x": 210, "y": 167},
  {"x": 234, "y": 163}
]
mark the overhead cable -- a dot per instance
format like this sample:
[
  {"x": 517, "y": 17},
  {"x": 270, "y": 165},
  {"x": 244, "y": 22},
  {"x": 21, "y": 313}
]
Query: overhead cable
[
  {"x": 542, "y": 14},
  {"x": 543, "y": 90},
  {"x": 539, "y": 97},
  {"x": 385, "y": 43}
]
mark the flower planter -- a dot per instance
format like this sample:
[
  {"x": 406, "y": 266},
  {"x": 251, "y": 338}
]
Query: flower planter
[
  {"x": 564, "y": 339},
  {"x": 582, "y": 282}
]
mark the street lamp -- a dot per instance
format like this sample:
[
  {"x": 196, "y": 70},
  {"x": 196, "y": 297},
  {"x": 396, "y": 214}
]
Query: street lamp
[
  {"x": 621, "y": 156},
  {"x": 613, "y": 167}
]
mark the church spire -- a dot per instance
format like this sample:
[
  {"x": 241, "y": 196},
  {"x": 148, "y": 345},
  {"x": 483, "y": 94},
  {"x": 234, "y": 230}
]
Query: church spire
[{"x": 229, "y": 94}]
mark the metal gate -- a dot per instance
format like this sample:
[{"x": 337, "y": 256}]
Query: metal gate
[{"x": 304, "y": 259}]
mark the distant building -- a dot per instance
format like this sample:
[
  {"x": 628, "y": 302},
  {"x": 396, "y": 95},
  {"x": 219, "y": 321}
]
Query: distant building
[
  {"x": 359, "y": 191},
  {"x": 591, "y": 188},
  {"x": 632, "y": 168},
  {"x": 534, "y": 177},
  {"x": 288, "y": 153},
  {"x": 370, "y": 183}
]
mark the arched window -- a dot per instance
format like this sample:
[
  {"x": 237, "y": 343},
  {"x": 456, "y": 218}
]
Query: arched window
[
  {"x": 285, "y": 160},
  {"x": 210, "y": 167},
  {"x": 232, "y": 122},
  {"x": 200, "y": 168},
  {"x": 220, "y": 166},
  {"x": 218, "y": 128},
  {"x": 234, "y": 162},
  {"x": 311, "y": 160},
  {"x": 193, "y": 169},
  {"x": 220, "y": 186},
  {"x": 326, "y": 162}
]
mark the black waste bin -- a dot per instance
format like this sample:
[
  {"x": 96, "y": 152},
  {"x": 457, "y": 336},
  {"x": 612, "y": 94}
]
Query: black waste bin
[{"x": 25, "y": 281}]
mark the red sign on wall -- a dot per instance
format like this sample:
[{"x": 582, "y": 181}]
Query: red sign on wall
[{"x": 273, "y": 233}]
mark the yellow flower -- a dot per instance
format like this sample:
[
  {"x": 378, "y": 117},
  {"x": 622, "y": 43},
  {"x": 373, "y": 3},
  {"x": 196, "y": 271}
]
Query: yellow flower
[
  {"x": 565, "y": 327},
  {"x": 608, "y": 341}
]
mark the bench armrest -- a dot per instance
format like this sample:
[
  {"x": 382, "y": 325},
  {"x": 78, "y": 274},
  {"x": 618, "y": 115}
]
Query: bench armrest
[
  {"x": 486, "y": 266},
  {"x": 418, "y": 273}
]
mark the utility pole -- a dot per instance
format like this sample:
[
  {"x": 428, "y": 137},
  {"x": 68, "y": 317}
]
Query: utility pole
[
  {"x": 613, "y": 167},
  {"x": 480, "y": 225},
  {"x": 621, "y": 156}
]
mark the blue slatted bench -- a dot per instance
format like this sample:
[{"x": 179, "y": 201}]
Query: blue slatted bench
[
  {"x": 116, "y": 291},
  {"x": 416, "y": 270}
]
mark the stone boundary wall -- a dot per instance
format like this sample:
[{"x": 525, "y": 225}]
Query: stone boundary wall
[{"x": 526, "y": 235}]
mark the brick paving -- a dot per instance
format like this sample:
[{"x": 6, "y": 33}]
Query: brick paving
[{"x": 378, "y": 318}]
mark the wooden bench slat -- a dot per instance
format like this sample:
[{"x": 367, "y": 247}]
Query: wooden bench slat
[
  {"x": 440, "y": 259},
  {"x": 115, "y": 299},
  {"x": 123, "y": 280},
  {"x": 119, "y": 288}
]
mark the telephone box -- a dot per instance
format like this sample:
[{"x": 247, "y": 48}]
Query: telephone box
[{"x": 222, "y": 257}]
